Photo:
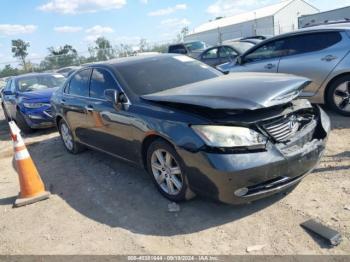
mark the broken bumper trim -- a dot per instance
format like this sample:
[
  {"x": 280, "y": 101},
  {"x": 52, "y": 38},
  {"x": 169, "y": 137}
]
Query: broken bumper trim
[{"x": 258, "y": 174}]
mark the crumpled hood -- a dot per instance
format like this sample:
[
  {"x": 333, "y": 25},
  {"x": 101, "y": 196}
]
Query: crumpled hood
[
  {"x": 44, "y": 94},
  {"x": 236, "y": 91}
]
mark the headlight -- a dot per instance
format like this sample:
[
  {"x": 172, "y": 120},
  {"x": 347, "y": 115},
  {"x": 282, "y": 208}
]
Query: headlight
[
  {"x": 229, "y": 136},
  {"x": 35, "y": 105}
]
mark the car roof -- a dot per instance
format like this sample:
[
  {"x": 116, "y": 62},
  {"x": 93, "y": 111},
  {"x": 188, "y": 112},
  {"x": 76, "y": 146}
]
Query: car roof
[
  {"x": 187, "y": 42},
  {"x": 334, "y": 26},
  {"x": 131, "y": 60},
  {"x": 313, "y": 29}
]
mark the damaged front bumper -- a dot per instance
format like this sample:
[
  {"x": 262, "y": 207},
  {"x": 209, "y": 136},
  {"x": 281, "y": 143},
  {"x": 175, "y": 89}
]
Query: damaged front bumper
[{"x": 238, "y": 178}]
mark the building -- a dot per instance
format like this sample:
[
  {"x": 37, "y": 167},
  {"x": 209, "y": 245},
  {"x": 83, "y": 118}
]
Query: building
[
  {"x": 340, "y": 14},
  {"x": 270, "y": 20}
]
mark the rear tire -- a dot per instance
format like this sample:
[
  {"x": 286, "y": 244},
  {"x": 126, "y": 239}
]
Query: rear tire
[
  {"x": 22, "y": 124},
  {"x": 5, "y": 112},
  {"x": 168, "y": 174},
  {"x": 338, "y": 95},
  {"x": 68, "y": 139}
]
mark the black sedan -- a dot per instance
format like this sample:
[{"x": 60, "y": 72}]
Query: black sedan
[
  {"x": 227, "y": 52},
  {"x": 234, "y": 138}
]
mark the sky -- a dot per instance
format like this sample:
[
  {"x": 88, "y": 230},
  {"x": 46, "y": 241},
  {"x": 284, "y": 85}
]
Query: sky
[{"x": 53, "y": 23}]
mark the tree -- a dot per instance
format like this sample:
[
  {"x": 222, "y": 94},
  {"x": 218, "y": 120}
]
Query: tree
[
  {"x": 104, "y": 50},
  {"x": 143, "y": 45},
  {"x": 161, "y": 48},
  {"x": 183, "y": 33},
  {"x": 19, "y": 50},
  {"x": 62, "y": 57},
  {"x": 8, "y": 71}
]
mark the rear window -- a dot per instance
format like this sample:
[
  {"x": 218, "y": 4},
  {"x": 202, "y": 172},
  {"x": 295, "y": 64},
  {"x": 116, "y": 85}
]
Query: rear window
[
  {"x": 161, "y": 73},
  {"x": 177, "y": 49},
  {"x": 312, "y": 42}
]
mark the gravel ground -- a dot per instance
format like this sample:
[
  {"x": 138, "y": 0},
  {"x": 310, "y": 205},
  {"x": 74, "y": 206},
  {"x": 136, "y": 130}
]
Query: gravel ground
[{"x": 100, "y": 205}]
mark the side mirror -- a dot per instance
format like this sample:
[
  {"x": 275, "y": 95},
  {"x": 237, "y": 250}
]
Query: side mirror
[
  {"x": 239, "y": 60},
  {"x": 112, "y": 95},
  {"x": 115, "y": 97},
  {"x": 8, "y": 93}
]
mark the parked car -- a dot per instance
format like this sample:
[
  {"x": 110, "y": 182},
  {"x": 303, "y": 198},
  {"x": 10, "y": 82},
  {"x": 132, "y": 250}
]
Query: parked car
[
  {"x": 258, "y": 37},
  {"x": 26, "y": 99},
  {"x": 192, "y": 49},
  {"x": 320, "y": 53},
  {"x": 234, "y": 138},
  {"x": 67, "y": 71},
  {"x": 3, "y": 82},
  {"x": 227, "y": 52}
]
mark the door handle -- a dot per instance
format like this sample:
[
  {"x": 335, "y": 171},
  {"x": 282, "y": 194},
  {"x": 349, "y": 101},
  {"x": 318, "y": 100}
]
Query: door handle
[
  {"x": 89, "y": 108},
  {"x": 269, "y": 66},
  {"x": 63, "y": 102},
  {"x": 329, "y": 58}
]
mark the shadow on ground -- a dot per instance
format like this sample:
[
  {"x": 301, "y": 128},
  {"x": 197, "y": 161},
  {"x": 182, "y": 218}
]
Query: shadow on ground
[
  {"x": 338, "y": 121},
  {"x": 117, "y": 194}
]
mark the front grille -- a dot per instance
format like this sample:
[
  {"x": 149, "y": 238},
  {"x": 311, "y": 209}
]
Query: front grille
[{"x": 284, "y": 128}]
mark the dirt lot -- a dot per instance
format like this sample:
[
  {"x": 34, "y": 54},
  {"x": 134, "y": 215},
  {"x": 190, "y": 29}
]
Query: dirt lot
[{"x": 100, "y": 205}]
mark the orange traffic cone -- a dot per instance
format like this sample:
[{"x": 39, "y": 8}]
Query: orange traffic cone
[{"x": 32, "y": 187}]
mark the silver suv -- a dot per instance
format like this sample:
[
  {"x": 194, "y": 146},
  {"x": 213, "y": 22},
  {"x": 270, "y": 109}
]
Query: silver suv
[{"x": 319, "y": 53}]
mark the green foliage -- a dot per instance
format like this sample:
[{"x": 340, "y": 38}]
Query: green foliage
[
  {"x": 9, "y": 71},
  {"x": 103, "y": 49},
  {"x": 66, "y": 55},
  {"x": 181, "y": 36},
  {"x": 19, "y": 50},
  {"x": 61, "y": 57}
]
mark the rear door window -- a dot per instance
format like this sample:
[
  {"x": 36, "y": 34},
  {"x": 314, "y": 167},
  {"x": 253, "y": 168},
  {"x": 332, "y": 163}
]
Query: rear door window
[
  {"x": 307, "y": 43},
  {"x": 227, "y": 52},
  {"x": 101, "y": 80},
  {"x": 79, "y": 84}
]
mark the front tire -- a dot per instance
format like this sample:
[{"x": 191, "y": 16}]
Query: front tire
[
  {"x": 167, "y": 170},
  {"x": 68, "y": 139},
  {"x": 5, "y": 112},
  {"x": 338, "y": 96},
  {"x": 22, "y": 123}
]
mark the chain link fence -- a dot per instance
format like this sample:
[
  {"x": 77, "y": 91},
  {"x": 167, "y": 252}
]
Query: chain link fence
[{"x": 51, "y": 63}]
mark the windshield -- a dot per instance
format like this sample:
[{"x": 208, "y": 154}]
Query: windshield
[
  {"x": 195, "y": 46},
  {"x": 39, "y": 82},
  {"x": 241, "y": 47},
  {"x": 160, "y": 73}
]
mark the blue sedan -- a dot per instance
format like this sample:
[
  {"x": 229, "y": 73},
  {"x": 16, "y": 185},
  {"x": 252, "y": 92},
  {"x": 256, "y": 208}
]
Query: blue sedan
[{"x": 26, "y": 99}]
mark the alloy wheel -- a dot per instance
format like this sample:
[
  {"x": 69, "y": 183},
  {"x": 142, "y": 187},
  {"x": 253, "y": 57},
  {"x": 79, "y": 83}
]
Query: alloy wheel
[
  {"x": 167, "y": 172},
  {"x": 341, "y": 96},
  {"x": 67, "y": 136}
]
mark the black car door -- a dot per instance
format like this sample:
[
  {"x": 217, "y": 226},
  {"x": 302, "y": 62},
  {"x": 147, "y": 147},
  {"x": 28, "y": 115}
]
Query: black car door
[
  {"x": 74, "y": 103},
  {"x": 109, "y": 128},
  {"x": 226, "y": 54},
  {"x": 211, "y": 56}
]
